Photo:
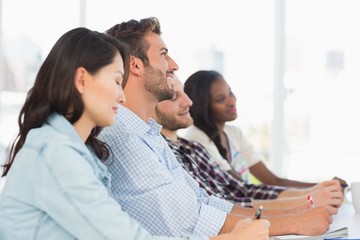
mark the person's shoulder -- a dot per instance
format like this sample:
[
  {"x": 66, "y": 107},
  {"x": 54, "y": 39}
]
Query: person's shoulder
[
  {"x": 45, "y": 147},
  {"x": 193, "y": 133},
  {"x": 118, "y": 128},
  {"x": 118, "y": 133},
  {"x": 55, "y": 142},
  {"x": 56, "y": 132},
  {"x": 233, "y": 132},
  {"x": 46, "y": 136},
  {"x": 187, "y": 142},
  {"x": 232, "y": 129}
]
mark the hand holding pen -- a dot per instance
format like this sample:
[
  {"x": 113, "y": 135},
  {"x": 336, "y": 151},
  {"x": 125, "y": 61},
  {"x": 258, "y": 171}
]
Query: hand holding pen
[{"x": 310, "y": 201}]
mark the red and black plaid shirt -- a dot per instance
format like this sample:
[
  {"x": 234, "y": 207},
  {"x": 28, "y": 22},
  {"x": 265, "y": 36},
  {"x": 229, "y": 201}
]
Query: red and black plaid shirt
[{"x": 195, "y": 159}]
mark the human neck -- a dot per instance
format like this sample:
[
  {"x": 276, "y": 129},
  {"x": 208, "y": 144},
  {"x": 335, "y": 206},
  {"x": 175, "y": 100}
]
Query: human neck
[
  {"x": 139, "y": 101},
  {"x": 170, "y": 134},
  {"x": 220, "y": 126},
  {"x": 142, "y": 110},
  {"x": 83, "y": 128}
]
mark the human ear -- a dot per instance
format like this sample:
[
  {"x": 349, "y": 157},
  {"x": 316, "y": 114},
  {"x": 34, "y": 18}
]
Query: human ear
[
  {"x": 80, "y": 79},
  {"x": 136, "y": 65}
]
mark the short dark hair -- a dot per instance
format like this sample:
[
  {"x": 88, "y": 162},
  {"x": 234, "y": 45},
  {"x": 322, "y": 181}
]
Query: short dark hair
[{"x": 132, "y": 33}]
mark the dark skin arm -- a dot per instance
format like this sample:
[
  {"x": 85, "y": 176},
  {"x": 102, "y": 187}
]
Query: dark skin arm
[
  {"x": 261, "y": 172},
  {"x": 235, "y": 174}
]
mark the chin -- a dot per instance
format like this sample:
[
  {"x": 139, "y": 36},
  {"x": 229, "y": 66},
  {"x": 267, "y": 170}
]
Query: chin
[
  {"x": 110, "y": 123},
  {"x": 107, "y": 123},
  {"x": 231, "y": 119}
]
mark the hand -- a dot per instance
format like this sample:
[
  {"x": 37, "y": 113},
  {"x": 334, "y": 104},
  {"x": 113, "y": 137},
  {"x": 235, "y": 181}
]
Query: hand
[
  {"x": 247, "y": 229},
  {"x": 342, "y": 182},
  {"x": 329, "y": 194},
  {"x": 314, "y": 221}
]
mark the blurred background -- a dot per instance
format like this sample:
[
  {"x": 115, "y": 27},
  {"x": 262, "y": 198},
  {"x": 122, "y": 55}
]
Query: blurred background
[{"x": 294, "y": 66}]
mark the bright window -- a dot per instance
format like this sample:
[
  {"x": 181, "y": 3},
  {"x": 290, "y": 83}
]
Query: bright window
[{"x": 237, "y": 38}]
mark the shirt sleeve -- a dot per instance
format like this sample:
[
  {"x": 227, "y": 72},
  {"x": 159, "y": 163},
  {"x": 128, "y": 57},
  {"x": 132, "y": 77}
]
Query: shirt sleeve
[
  {"x": 78, "y": 201},
  {"x": 245, "y": 147},
  {"x": 153, "y": 189},
  {"x": 205, "y": 198}
]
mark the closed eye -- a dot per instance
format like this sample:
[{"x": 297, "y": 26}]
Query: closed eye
[
  {"x": 165, "y": 51},
  {"x": 219, "y": 99},
  {"x": 175, "y": 96}
]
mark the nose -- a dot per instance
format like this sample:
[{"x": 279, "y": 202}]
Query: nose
[
  {"x": 188, "y": 101},
  {"x": 172, "y": 64},
  {"x": 232, "y": 101},
  {"x": 121, "y": 98}
]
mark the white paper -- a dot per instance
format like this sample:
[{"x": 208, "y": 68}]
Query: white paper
[{"x": 331, "y": 233}]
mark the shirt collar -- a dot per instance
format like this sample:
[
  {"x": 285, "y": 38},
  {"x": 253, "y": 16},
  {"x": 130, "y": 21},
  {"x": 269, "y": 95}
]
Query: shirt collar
[
  {"x": 62, "y": 125},
  {"x": 135, "y": 123}
]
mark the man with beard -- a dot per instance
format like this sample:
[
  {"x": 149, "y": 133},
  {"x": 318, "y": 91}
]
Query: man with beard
[
  {"x": 174, "y": 114},
  {"x": 147, "y": 180}
]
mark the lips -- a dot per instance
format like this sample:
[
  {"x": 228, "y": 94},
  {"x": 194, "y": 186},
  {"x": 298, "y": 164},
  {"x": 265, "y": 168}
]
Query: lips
[
  {"x": 232, "y": 111},
  {"x": 183, "y": 113}
]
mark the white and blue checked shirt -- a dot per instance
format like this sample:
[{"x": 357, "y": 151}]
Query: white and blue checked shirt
[{"x": 151, "y": 185}]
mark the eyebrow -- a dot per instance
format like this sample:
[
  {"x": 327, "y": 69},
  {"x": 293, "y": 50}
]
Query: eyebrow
[{"x": 164, "y": 49}]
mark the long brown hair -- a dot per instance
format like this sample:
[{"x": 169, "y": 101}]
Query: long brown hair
[
  {"x": 54, "y": 89},
  {"x": 197, "y": 87}
]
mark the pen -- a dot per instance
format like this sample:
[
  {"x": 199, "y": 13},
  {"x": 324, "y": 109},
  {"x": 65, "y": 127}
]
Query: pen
[
  {"x": 258, "y": 213},
  {"x": 311, "y": 201}
]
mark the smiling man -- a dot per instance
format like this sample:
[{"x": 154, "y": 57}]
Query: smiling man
[{"x": 147, "y": 180}]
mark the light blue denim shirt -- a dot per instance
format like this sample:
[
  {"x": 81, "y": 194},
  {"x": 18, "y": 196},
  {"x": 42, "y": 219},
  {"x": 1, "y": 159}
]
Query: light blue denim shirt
[
  {"x": 151, "y": 185},
  {"x": 57, "y": 189}
]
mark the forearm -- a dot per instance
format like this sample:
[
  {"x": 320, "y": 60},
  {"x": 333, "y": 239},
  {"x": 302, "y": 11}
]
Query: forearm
[
  {"x": 266, "y": 176},
  {"x": 294, "y": 192},
  {"x": 243, "y": 211},
  {"x": 230, "y": 222},
  {"x": 281, "y": 203},
  {"x": 292, "y": 183},
  {"x": 281, "y": 225},
  {"x": 316, "y": 221},
  {"x": 250, "y": 212}
]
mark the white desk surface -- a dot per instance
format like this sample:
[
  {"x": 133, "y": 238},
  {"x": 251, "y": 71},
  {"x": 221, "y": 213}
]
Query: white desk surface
[{"x": 347, "y": 217}]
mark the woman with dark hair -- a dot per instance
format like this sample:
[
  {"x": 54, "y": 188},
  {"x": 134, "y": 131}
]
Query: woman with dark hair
[
  {"x": 56, "y": 184},
  {"x": 214, "y": 105}
]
